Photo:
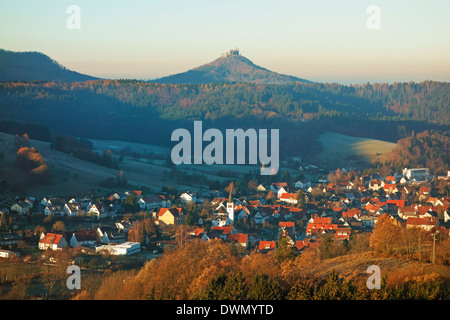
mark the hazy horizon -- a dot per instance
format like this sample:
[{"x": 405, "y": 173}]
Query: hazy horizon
[{"x": 323, "y": 42}]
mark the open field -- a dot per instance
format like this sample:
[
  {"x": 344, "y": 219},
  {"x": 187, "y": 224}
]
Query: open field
[{"x": 343, "y": 150}]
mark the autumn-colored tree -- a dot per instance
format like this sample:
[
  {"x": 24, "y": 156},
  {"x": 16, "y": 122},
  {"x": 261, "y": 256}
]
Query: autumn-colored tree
[
  {"x": 173, "y": 275},
  {"x": 270, "y": 196},
  {"x": 150, "y": 228},
  {"x": 137, "y": 232},
  {"x": 59, "y": 226},
  {"x": 385, "y": 234},
  {"x": 301, "y": 198},
  {"x": 252, "y": 185}
]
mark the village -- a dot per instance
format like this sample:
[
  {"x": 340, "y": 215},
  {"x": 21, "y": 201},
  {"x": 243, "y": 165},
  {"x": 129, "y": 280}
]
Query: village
[{"x": 260, "y": 219}]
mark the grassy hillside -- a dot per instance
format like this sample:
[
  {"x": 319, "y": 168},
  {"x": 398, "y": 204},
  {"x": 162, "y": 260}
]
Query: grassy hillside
[{"x": 340, "y": 149}]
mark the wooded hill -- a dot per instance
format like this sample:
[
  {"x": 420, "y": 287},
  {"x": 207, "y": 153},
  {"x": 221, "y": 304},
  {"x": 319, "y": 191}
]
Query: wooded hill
[{"x": 145, "y": 112}]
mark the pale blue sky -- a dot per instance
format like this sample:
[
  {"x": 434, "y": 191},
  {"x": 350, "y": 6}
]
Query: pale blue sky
[{"x": 320, "y": 40}]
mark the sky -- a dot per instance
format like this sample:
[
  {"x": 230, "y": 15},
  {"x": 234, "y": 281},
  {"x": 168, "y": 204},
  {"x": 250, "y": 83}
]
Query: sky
[{"x": 322, "y": 40}]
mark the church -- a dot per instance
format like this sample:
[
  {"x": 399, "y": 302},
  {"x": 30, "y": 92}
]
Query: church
[{"x": 225, "y": 212}]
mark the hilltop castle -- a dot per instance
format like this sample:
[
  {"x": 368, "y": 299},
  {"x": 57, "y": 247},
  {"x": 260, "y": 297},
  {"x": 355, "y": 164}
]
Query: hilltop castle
[{"x": 232, "y": 52}]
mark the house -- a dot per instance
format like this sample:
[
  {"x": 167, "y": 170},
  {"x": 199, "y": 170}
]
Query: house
[
  {"x": 260, "y": 217},
  {"x": 390, "y": 179},
  {"x": 225, "y": 230},
  {"x": 390, "y": 188},
  {"x": 137, "y": 193},
  {"x": 406, "y": 212},
  {"x": 21, "y": 207},
  {"x": 351, "y": 213},
  {"x": 220, "y": 220},
  {"x": 56, "y": 211},
  {"x": 397, "y": 203},
  {"x": 290, "y": 198},
  {"x": 238, "y": 238},
  {"x": 426, "y": 223},
  {"x": 73, "y": 209},
  {"x": 301, "y": 245},
  {"x": 151, "y": 202},
  {"x": 123, "y": 226},
  {"x": 318, "y": 225},
  {"x": 266, "y": 246},
  {"x": 53, "y": 202},
  {"x": 342, "y": 233},
  {"x": 302, "y": 184},
  {"x": 286, "y": 229},
  {"x": 171, "y": 215},
  {"x": 52, "y": 241},
  {"x": 110, "y": 235},
  {"x": 196, "y": 232},
  {"x": 97, "y": 211},
  {"x": 373, "y": 208},
  {"x": 241, "y": 212},
  {"x": 279, "y": 188},
  {"x": 86, "y": 238},
  {"x": 368, "y": 221},
  {"x": 188, "y": 197},
  {"x": 374, "y": 185}
]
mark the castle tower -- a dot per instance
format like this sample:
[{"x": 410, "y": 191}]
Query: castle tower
[{"x": 230, "y": 206}]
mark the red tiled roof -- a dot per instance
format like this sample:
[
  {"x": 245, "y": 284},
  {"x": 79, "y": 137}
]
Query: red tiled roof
[
  {"x": 426, "y": 221},
  {"x": 267, "y": 245},
  {"x": 238, "y": 237},
  {"x": 398, "y": 203},
  {"x": 174, "y": 211},
  {"x": 321, "y": 220},
  {"x": 351, "y": 212},
  {"x": 288, "y": 195},
  {"x": 51, "y": 238},
  {"x": 224, "y": 229},
  {"x": 286, "y": 224}
]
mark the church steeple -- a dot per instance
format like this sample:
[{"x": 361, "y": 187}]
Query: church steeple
[{"x": 230, "y": 204}]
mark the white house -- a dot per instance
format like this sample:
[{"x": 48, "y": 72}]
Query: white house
[
  {"x": 55, "y": 210},
  {"x": 21, "y": 207},
  {"x": 97, "y": 211},
  {"x": 188, "y": 197},
  {"x": 290, "y": 198},
  {"x": 73, "y": 209}
]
